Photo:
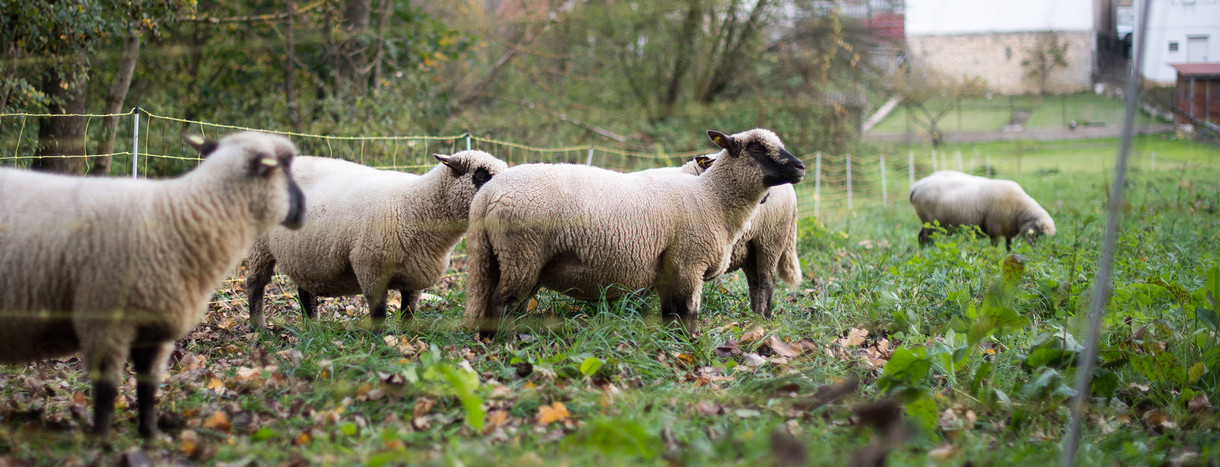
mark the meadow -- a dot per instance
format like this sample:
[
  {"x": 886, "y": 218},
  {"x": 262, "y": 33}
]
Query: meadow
[{"x": 960, "y": 352}]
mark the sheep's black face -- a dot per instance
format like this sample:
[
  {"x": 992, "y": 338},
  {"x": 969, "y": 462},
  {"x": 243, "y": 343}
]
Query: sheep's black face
[
  {"x": 777, "y": 164},
  {"x": 474, "y": 168},
  {"x": 481, "y": 175}
]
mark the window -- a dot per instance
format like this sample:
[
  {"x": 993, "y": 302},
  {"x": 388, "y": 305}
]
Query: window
[{"x": 1173, "y": 46}]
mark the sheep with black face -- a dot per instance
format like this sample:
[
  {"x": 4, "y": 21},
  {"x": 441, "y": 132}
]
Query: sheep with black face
[
  {"x": 370, "y": 231},
  {"x": 579, "y": 230},
  {"x": 121, "y": 268}
]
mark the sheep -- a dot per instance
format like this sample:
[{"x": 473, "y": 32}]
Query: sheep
[
  {"x": 768, "y": 244},
  {"x": 119, "y": 268},
  {"x": 371, "y": 230},
  {"x": 999, "y": 207},
  {"x": 580, "y": 230}
]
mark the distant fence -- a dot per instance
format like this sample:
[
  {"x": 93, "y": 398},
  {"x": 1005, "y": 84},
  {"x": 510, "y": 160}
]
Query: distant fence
[{"x": 836, "y": 186}]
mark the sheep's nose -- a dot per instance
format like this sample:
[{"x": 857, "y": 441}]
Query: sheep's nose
[{"x": 800, "y": 165}]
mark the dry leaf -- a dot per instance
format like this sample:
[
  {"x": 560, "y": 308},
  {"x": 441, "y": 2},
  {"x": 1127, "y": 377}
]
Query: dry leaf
[
  {"x": 709, "y": 408},
  {"x": 753, "y": 359},
  {"x": 728, "y": 349},
  {"x": 302, "y": 439},
  {"x": 219, "y": 422},
  {"x": 780, "y": 348},
  {"x": 548, "y": 414},
  {"x": 248, "y": 374},
  {"x": 753, "y": 334},
  {"x": 190, "y": 443},
  {"x": 216, "y": 384},
  {"x": 855, "y": 337},
  {"x": 1199, "y": 403},
  {"x": 941, "y": 453},
  {"x": 423, "y": 405},
  {"x": 496, "y": 419}
]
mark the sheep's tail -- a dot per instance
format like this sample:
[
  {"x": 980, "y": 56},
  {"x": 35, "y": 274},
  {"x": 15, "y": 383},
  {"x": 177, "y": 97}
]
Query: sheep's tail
[
  {"x": 482, "y": 270},
  {"x": 789, "y": 264}
]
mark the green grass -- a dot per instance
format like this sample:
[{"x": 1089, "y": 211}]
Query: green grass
[
  {"x": 333, "y": 392},
  {"x": 982, "y": 114}
]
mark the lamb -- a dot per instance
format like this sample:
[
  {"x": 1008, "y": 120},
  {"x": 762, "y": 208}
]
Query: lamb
[
  {"x": 579, "y": 230},
  {"x": 768, "y": 244},
  {"x": 371, "y": 230},
  {"x": 1000, "y": 207},
  {"x": 121, "y": 268}
]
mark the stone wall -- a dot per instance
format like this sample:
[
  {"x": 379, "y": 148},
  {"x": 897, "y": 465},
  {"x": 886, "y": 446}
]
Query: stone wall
[{"x": 997, "y": 58}]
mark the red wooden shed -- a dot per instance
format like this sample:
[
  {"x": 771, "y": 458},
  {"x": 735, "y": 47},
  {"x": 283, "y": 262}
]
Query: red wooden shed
[{"x": 1198, "y": 93}]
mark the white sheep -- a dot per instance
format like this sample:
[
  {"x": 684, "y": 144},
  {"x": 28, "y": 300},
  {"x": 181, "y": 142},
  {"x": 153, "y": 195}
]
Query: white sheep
[
  {"x": 370, "y": 231},
  {"x": 999, "y": 207},
  {"x": 580, "y": 230},
  {"x": 768, "y": 244},
  {"x": 122, "y": 267}
]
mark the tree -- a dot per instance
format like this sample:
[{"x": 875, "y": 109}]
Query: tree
[
  {"x": 929, "y": 97},
  {"x": 1047, "y": 55}
]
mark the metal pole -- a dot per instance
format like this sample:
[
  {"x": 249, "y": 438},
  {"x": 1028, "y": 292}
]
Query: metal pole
[
  {"x": 849, "y": 186},
  {"x": 884, "y": 197},
  {"x": 590, "y": 160},
  {"x": 818, "y": 187},
  {"x": 467, "y": 141},
  {"x": 1101, "y": 282},
  {"x": 135, "y": 142},
  {"x": 910, "y": 169}
]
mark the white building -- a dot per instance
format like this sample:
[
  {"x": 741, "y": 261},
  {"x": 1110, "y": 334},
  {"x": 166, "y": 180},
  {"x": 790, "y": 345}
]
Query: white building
[
  {"x": 1179, "y": 31},
  {"x": 991, "y": 38}
]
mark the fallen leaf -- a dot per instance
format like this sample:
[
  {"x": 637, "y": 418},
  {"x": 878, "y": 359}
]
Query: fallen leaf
[
  {"x": 728, "y": 349},
  {"x": 855, "y": 337},
  {"x": 1200, "y": 403},
  {"x": 189, "y": 443},
  {"x": 941, "y": 453},
  {"x": 780, "y": 348},
  {"x": 753, "y": 334},
  {"x": 709, "y": 408},
  {"x": 423, "y": 405},
  {"x": 216, "y": 384},
  {"x": 248, "y": 374},
  {"x": 302, "y": 439},
  {"x": 753, "y": 359},
  {"x": 548, "y": 414},
  {"x": 219, "y": 422}
]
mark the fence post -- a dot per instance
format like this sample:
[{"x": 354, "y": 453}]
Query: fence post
[
  {"x": 933, "y": 160},
  {"x": 135, "y": 143},
  {"x": 974, "y": 160},
  {"x": 957, "y": 159},
  {"x": 467, "y": 140},
  {"x": 849, "y": 186},
  {"x": 910, "y": 169},
  {"x": 884, "y": 196},
  {"x": 590, "y": 160},
  {"x": 817, "y": 187}
]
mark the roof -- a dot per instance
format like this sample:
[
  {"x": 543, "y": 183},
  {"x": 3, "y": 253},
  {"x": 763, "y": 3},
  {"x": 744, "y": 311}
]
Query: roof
[{"x": 1197, "y": 69}]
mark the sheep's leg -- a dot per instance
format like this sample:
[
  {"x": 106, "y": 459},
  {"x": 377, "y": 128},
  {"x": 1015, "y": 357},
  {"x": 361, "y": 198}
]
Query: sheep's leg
[
  {"x": 106, "y": 352},
  {"x": 262, "y": 267},
  {"x": 680, "y": 295},
  {"x": 410, "y": 302},
  {"x": 760, "y": 276},
  {"x": 309, "y": 303},
  {"x": 925, "y": 237},
  {"x": 149, "y": 363}
]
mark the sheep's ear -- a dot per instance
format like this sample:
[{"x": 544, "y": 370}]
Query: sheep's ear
[
  {"x": 203, "y": 145},
  {"x": 724, "y": 141},
  {"x": 704, "y": 162},
  {"x": 265, "y": 164},
  {"x": 450, "y": 163}
]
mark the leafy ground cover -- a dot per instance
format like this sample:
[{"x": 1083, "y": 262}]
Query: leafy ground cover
[{"x": 961, "y": 352}]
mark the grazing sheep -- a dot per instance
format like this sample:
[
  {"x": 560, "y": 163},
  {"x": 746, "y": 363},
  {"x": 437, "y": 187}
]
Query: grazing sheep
[
  {"x": 768, "y": 244},
  {"x": 999, "y": 207},
  {"x": 121, "y": 268},
  {"x": 370, "y": 231},
  {"x": 578, "y": 230}
]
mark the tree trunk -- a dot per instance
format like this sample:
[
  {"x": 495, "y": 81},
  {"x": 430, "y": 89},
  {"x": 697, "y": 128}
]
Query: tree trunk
[
  {"x": 60, "y": 135},
  {"x": 682, "y": 57},
  {"x": 384, "y": 17},
  {"x": 353, "y": 60},
  {"x": 114, "y": 101},
  {"x": 729, "y": 60},
  {"x": 294, "y": 114}
]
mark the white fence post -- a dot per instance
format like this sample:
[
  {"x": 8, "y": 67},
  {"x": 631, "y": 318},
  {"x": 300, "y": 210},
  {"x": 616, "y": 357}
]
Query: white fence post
[
  {"x": 910, "y": 169},
  {"x": 974, "y": 160},
  {"x": 467, "y": 140},
  {"x": 933, "y": 160},
  {"x": 849, "y": 186},
  {"x": 817, "y": 187},
  {"x": 590, "y": 160},
  {"x": 957, "y": 158},
  {"x": 135, "y": 143},
  {"x": 884, "y": 196}
]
